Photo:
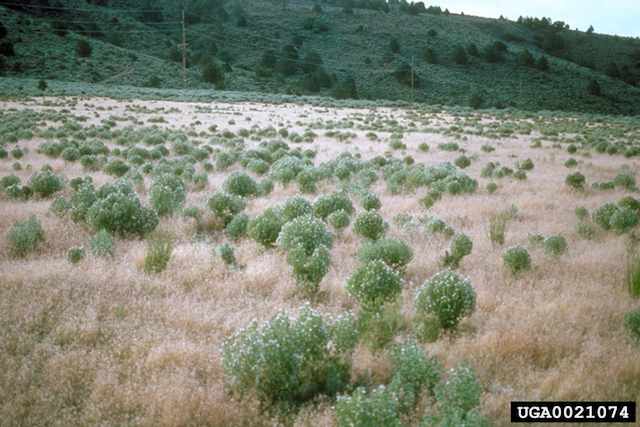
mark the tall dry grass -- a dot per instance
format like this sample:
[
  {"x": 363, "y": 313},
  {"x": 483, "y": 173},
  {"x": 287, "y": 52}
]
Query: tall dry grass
[{"x": 104, "y": 343}]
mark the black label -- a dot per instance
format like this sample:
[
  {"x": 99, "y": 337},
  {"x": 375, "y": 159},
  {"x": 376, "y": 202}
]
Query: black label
[{"x": 573, "y": 412}]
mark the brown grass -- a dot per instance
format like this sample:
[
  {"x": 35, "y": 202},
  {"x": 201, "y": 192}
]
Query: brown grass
[{"x": 101, "y": 342}]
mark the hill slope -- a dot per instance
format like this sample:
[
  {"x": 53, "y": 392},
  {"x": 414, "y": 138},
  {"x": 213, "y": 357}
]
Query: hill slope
[{"x": 363, "y": 48}]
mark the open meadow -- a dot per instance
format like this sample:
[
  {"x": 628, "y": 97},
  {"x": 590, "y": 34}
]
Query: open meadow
[{"x": 161, "y": 228}]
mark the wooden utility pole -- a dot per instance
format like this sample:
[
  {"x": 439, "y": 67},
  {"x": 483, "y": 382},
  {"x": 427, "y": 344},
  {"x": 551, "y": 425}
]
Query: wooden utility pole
[
  {"x": 412, "y": 78},
  {"x": 184, "y": 55}
]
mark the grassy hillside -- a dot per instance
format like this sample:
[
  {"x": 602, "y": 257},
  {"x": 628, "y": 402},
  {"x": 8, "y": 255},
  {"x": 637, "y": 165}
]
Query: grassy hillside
[{"x": 365, "y": 52}]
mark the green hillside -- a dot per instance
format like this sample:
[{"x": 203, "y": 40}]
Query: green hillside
[{"x": 351, "y": 48}]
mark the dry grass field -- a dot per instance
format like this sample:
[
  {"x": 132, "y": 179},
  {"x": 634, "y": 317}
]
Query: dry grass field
[{"x": 101, "y": 342}]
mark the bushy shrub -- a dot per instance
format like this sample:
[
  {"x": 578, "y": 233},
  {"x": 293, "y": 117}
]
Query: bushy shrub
[
  {"x": 555, "y": 245},
  {"x": 369, "y": 201},
  {"x": 393, "y": 252},
  {"x": 287, "y": 168},
  {"x": 225, "y": 206},
  {"x": 632, "y": 323},
  {"x": 305, "y": 232},
  {"x": 237, "y": 227},
  {"x": 527, "y": 165},
  {"x": 265, "y": 228},
  {"x": 166, "y": 193},
  {"x": 258, "y": 166},
  {"x": 435, "y": 225},
  {"x": 325, "y": 204},
  {"x": 461, "y": 246},
  {"x": 462, "y": 161},
  {"x": 520, "y": 175},
  {"x": 60, "y": 207},
  {"x": 380, "y": 408},
  {"x": 624, "y": 219},
  {"x": 457, "y": 400},
  {"x": 308, "y": 270},
  {"x": 116, "y": 167},
  {"x": 101, "y": 243},
  {"x": 575, "y": 180},
  {"x": 571, "y": 163},
  {"x": 602, "y": 215},
  {"x": 81, "y": 201},
  {"x": 516, "y": 258},
  {"x": 585, "y": 229},
  {"x": 339, "y": 220},
  {"x": 413, "y": 373},
  {"x": 295, "y": 207},
  {"x": 288, "y": 362},
  {"x": 241, "y": 184},
  {"x": 370, "y": 225},
  {"x": 581, "y": 212},
  {"x": 266, "y": 185},
  {"x": 631, "y": 203},
  {"x": 46, "y": 183},
  {"x": 448, "y": 296},
  {"x": 625, "y": 180},
  {"x": 306, "y": 180},
  {"x": 75, "y": 254},
  {"x": 117, "y": 209},
  {"x": 9, "y": 180},
  {"x": 25, "y": 236},
  {"x": 373, "y": 284}
]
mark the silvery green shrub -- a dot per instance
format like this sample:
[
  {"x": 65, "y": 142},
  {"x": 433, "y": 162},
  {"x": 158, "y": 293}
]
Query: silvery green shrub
[
  {"x": 625, "y": 180},
  {"x": 393, "y": 252},
  {"x": 458, "y": 400},
  {"x": 287, "y": 362},
  {"x": 516, "y": 258},
  {"x": 369, "y": 201},
  {"x": 295, "y": 207},
  {"x": 461, "y": 246},
  {"x": 237, "y": 227},
  {"x": 339, "y": 220},
  {"x": 381, "y": 407},
  {"x": 225, "y": 206},
  {"x": 305, "y": 231},
  {"x": 585, "y": 229},
  {"x": 555, "y": 245},
  {"x": 166, "y": 193},
  {"x": 46, "y": 183},
  {"x": 602, "y": 215},
  {"x": 24, "y": 236},
  {"x": 239, "y": 183},
  {"x": 101, "y": 243},
  {"x": 374, "y": 284},
  {"x": 413, "y": 373},
  {"x": 623, "y": 220},
  {"x": 117, "y": 209},
  {"x": 325, "y": 204},
  {"x": 447, "y": 295},
  {"x": 265, "y": 228},
  {"x": 575, "y": 180},
  {"x": 308, "y": 241},
  {"x": 370, "y": 225}
]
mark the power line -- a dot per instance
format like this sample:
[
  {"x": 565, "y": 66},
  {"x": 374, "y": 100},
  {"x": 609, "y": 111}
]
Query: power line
[
  {"x": 85, "y": 31},
  {"x": 34, "y": 6}
]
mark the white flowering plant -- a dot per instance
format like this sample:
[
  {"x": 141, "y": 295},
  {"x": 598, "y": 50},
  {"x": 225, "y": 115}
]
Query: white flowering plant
[
  {"x": 447, "y": 295},
  {"x": 288, "y": 361}
]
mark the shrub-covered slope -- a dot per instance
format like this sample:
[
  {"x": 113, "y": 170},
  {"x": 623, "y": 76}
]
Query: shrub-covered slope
[{"x": 343, "y": 49}]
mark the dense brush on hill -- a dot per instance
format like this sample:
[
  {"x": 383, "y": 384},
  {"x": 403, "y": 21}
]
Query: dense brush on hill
[{"x": 369, "y": 49}]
